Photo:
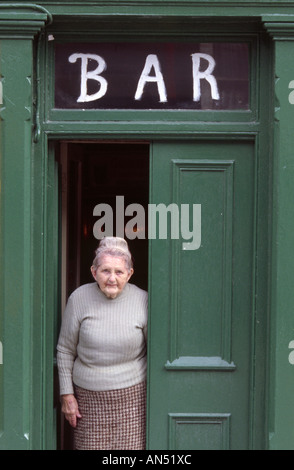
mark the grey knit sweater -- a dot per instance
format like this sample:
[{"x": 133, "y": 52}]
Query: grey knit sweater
[{"x": 102, "y": 342}]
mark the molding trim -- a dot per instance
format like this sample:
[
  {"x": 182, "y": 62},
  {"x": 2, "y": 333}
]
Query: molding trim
[
  {"x": 19, "y": 20},
  {"x": 279, "y": 27}
]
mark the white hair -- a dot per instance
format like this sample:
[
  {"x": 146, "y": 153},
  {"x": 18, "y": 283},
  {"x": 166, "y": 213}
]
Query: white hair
[{"x": 113, "y": 246}]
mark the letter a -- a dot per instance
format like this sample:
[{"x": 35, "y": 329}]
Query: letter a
[
  {"x": 90, "y": 75},
  {"x": 106, "y": 221},
  {"x": 152, "y": 61}
]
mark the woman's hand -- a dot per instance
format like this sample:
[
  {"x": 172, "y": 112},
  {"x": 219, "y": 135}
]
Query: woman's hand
[{"x": 69, "y": 407}]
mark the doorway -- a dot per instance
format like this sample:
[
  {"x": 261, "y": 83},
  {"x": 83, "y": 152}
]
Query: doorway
[
  {"x": 94, "y": 173},
  {"x": 207, "y": 319}
]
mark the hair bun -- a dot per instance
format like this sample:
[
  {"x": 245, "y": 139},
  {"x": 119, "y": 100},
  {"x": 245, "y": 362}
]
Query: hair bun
[
  {"x": 114, "y": 242},
  {"x": 113, "y": 246}
]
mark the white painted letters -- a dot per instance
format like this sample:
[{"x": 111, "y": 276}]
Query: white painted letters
[
  {"x": 206, "y": 75},
  {"x": 90, "y": 75},
  {"x": 152, "y": 62},
  {"x": 151, "y": 74},
  {"x": 1, "y": 353}
]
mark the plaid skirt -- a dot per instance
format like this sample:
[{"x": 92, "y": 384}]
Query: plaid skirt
[{"x": 111, "y": 420}]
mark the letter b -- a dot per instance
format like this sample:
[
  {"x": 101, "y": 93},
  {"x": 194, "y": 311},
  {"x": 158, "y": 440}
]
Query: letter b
[{"x": 90, "y": 75}]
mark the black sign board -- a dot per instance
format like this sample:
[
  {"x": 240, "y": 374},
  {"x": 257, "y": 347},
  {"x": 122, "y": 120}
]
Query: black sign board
[{"x": 152, "y": 76}]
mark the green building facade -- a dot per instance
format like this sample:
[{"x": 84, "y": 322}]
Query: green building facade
[{"x": 153, "y": 102}]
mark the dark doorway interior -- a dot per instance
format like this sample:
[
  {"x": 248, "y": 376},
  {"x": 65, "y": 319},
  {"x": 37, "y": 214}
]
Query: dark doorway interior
[{"x": 96, "y": 173}]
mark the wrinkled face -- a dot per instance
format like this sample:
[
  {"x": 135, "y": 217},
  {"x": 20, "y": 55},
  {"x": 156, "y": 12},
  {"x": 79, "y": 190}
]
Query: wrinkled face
[{"x": 111, "y": 275}]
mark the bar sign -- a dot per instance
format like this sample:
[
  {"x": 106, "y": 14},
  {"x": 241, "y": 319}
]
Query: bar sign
[{"x": 152, "y": 76}]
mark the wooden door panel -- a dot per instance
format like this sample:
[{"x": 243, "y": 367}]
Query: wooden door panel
[{"x": 200, "y": 352}]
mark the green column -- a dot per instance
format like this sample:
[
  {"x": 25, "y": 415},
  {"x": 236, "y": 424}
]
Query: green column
[
  {"x": 19, "y": 25},
  {"x": 281, "y": 419}
]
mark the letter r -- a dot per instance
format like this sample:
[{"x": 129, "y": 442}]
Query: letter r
[{"x": 206, "y": 75}]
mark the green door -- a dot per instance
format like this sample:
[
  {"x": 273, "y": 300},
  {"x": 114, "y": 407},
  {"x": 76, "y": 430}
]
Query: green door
[{"x": 202, "y": 309}]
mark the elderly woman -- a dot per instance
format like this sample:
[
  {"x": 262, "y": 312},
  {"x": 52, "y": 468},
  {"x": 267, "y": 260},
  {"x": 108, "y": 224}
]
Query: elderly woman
[{"x": 101, "y": 355}]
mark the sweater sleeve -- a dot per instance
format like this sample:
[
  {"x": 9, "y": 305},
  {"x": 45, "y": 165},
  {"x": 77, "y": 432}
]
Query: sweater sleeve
[
  {"x": 67, "y": 347},
  {"x": 145, "y": 327}
]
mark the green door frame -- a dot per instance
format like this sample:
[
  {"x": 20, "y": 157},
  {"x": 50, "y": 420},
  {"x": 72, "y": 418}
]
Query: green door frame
[
  {"x": 26, "y": 312},
  {"x": 52, "y": 295},
  {"x": 183, "y": 126}
]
